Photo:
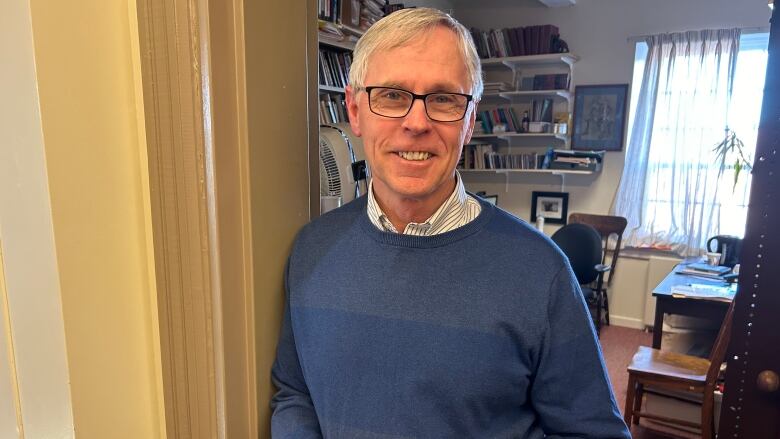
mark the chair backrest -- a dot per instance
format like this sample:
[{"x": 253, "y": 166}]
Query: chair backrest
[
  {"x": 718, "y": 352},
  {"x": 580, "y": 243},
  {"x": 606, "y": 226}
]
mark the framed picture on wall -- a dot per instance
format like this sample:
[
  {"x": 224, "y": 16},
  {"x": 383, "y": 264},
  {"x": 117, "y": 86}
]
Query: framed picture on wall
[
  {"x": 553, "y": 206},
  {"x": 599, "y": 117}
]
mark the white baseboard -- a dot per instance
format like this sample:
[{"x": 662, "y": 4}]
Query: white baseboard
[{"x": 626, "y": 322}]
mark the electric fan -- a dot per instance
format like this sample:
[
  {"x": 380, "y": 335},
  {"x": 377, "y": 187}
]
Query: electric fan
[{"x": 342, "y": 166}]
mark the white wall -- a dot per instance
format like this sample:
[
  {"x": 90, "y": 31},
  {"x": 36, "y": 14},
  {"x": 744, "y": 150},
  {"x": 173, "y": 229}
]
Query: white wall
[{"x": 598, "y": 31}]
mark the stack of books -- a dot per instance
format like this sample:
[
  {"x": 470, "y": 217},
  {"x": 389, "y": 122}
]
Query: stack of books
[
  {"x": 704, "y": 270},
  {"x": 495, "y": 87},
  {"x": 371, "y": 11},
  {"x": 576, "y": 160}
]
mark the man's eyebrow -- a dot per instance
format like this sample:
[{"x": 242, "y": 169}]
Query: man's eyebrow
[
  {"x": 447, "y": 87},
  {"x": 439, "y": 87}
]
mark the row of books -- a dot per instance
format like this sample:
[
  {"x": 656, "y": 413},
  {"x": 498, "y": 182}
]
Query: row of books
[
  {"x": 489, "y": 120},
  {"x": 333, "y": 108},
  {"x": 484, "y": 156},
  {"x": 553, "y": 81},
  {"x": 541, "y": 110},
  {"x": 518, "y": 41},
  {"x": 334, "y": 68},
  {"x": 506, "y": 118},
  {"x": 355, "y": 13}
]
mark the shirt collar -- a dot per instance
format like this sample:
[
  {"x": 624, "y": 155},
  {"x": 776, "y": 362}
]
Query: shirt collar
[{"x": 453, "y": 206}]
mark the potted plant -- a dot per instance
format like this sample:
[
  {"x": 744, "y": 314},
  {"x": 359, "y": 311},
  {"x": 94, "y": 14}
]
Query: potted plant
[{"x": 732, "y": 150}]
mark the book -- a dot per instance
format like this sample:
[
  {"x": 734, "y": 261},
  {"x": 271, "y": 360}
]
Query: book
[{"x": 706, "y": 268}]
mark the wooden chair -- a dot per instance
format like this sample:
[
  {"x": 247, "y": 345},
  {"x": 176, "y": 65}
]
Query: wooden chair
[
  {"x": 663, "y": 370},
  {"x": 607, "y": 226}
]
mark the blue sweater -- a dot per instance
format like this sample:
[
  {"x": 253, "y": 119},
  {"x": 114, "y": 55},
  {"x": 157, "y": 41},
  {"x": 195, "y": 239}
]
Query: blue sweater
[{"x": 480, "y": 332}]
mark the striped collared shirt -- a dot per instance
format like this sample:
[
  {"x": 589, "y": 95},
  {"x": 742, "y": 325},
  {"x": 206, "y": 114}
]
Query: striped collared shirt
[{"x": 457, "y": 211}]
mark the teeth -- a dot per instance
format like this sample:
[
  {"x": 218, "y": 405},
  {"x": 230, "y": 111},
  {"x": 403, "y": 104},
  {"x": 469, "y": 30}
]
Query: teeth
[{"x": 415, "y": 155}]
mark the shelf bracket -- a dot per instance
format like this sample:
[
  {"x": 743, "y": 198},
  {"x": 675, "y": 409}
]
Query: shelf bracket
[
  {"x": 506, "y": 178},
  {"x": 563, "y": 179}
]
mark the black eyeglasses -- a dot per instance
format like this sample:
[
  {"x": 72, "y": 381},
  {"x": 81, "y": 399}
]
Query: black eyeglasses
[{"x": 396, "y": 103}]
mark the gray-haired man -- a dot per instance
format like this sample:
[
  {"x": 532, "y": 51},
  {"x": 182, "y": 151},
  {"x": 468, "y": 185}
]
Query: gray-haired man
[{"x": 418, "y": 310}]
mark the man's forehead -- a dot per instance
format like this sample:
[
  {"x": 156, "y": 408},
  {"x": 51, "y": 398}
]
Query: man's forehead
[{"x": 442, "y": 67}]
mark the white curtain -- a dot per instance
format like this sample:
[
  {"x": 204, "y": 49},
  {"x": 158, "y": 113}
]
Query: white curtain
[{"x": 670, "y": 191}]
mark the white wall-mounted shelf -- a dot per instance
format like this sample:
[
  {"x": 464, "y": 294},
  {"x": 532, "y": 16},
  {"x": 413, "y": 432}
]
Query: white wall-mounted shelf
[
  {"x": 531, "y": 61},
  {"x": 507, "y": 136},
  {"x": 525, "y": 171},
  {"x": 525, "y": 95}
]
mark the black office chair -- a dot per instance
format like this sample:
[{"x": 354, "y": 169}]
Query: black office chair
[{"x": 581, "y": 243}]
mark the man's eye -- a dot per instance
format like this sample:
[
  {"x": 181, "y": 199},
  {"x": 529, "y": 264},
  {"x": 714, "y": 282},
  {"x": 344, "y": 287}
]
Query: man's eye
[
  {"x": 392, "y": 95},
  {"x": 443, "y": 99}
]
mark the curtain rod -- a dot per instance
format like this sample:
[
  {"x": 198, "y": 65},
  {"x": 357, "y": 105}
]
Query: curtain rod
[{"x": 745, "y": 30}]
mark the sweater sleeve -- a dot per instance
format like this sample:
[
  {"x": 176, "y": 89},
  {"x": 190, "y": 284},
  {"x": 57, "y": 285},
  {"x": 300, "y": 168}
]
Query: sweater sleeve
[
  {"x": 293, "y": 414},
  {"x": 571, "y": 391}
]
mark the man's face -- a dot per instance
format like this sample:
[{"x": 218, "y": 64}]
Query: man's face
[{"x": 428, "y": 64}]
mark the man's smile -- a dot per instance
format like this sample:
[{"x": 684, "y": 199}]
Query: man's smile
[{"x": 414, "y": 155}]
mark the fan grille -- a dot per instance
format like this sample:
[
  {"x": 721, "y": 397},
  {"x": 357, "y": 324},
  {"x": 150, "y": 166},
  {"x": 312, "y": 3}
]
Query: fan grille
[{"x": 330, "y": 182}]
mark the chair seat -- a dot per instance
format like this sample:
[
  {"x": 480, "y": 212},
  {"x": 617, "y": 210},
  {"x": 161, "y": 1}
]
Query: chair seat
[{"x": 653, "y": 362}]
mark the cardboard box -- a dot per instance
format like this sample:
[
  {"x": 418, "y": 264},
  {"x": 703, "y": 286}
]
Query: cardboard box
[{"x": 678, "y": 405}]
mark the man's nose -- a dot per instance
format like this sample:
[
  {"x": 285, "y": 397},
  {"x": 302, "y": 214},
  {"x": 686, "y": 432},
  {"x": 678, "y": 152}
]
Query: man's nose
[{"x": 417, "y": 119}]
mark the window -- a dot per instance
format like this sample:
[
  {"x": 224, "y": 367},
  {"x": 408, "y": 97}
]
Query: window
[{"x": 671, "y": 191}]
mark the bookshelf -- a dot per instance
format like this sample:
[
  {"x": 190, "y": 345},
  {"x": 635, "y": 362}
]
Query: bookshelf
[
  {"x": 341, "y": 23},
  {"x": 539, "y": 85}
]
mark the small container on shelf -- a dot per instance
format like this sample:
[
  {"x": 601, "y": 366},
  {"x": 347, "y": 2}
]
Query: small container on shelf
[{"x": 539, "y": 127}]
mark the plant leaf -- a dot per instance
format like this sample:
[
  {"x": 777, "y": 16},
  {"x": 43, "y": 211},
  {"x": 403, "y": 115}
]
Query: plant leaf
[{"x": 737, "y": 168}]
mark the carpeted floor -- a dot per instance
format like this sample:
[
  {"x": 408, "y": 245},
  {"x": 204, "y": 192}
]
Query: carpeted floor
[{"x": 619, "y": 345}]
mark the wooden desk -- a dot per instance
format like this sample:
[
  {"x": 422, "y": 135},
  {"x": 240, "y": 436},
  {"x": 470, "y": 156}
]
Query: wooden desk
[{"x": 665, "y": 303}]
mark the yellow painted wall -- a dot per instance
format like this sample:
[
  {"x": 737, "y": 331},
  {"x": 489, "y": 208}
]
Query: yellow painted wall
[
  {"x": 279, "y": 164},
  {"x": 87, "y": 64}
]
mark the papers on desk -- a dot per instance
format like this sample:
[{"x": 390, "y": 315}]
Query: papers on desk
[{"x": 701, "y": 291}]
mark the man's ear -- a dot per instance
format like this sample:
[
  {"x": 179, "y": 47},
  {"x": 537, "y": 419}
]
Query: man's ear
[
  {"x": 470, "y": 119},
  {"x": 352, "y": 109}
]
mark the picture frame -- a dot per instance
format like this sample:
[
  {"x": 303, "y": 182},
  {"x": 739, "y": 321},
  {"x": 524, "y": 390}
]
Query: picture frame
[
  {"x": 553, "y": 206},
  {"x": 599, "y": 117}
]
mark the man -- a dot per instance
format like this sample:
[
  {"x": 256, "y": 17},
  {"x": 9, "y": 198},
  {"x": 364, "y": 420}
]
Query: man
[{"x": 417, "y": 310}]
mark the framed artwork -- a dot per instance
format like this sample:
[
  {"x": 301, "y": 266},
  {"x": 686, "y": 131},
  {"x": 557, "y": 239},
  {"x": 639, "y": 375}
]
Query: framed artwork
[
  {"x": 553, "y": 206},
  {"x": 599, "y": 117}
]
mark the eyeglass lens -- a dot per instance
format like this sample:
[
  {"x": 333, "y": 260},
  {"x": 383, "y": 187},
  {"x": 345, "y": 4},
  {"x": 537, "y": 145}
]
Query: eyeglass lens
[{"x": 442, "y": 107}]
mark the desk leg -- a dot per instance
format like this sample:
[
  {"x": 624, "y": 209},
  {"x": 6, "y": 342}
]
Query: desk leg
[{"x": 658, "y": 324}]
